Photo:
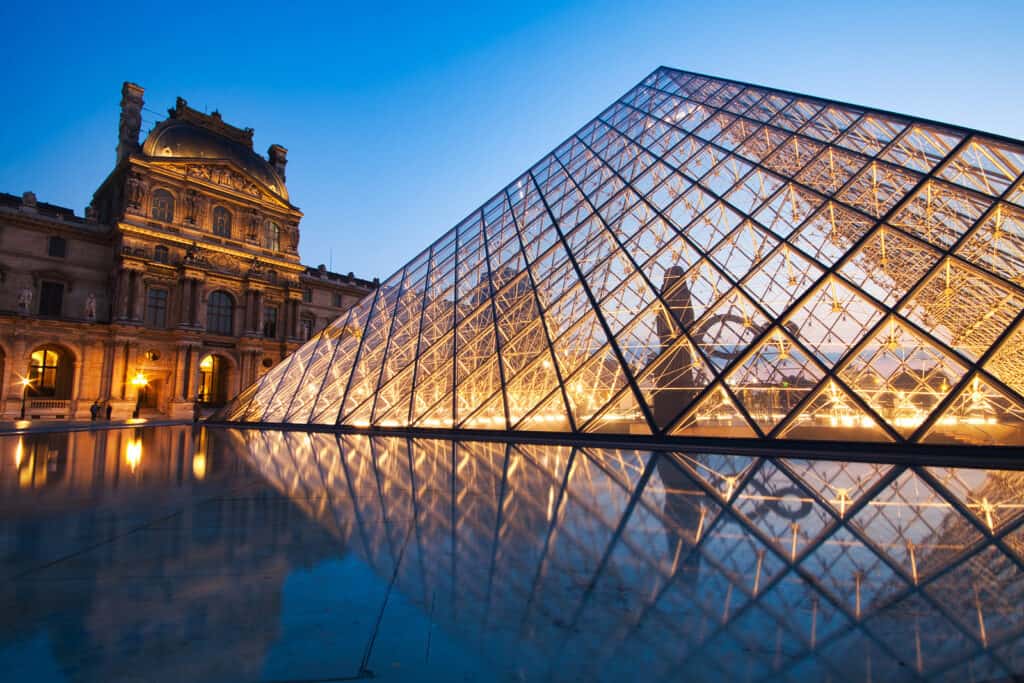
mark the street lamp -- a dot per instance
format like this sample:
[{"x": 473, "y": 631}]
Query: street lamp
[
  {"x": 138, "y": 381},
  {"x": 25, "y": 384}
]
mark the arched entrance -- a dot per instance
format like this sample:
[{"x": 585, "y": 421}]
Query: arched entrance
[{"x": 214, "y": 372}]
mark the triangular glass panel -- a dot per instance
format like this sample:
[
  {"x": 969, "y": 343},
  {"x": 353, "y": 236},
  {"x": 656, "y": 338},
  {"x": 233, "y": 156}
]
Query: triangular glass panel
[
  {"x": 980, "y": 415},
  {"x": 623, "y": 416},
  {"x": 714, "y": 415},
  {"x": 832, "y": 415}
]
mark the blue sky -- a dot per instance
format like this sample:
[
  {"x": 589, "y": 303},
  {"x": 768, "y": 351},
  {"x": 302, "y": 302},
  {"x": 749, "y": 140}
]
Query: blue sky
[{"x": 401, "y": 119}]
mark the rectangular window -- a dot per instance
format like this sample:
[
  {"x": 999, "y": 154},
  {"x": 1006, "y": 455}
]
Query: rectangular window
[
  {"x": 160, "y": 254},
  {"x": 338, "y": 300},
  {"x": 57, "y": 247},
  {"x": 51, "y": 298},
  {"x": 306, "y": 325},
  {"x": 156, "y": 307},
  {"x": 307, "y": 295},
  {"x": 270, "y": 322}
]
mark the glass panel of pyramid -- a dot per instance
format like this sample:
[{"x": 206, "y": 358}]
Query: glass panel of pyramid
[{"x": 824, "y": 271}]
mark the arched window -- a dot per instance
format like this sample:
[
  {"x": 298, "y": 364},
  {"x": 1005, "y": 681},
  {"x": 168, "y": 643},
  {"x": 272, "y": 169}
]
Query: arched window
[
  {"x": 49, "y": 373},
  {"x": 220, "y": 313},
  {"x": 221, "y": 222},
  {"x": 273, "y": 236},
  {"x": 163, "y": 206}
]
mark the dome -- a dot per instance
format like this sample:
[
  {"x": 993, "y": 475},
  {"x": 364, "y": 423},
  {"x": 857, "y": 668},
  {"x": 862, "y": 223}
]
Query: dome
[{"x": 181, "y": 138}]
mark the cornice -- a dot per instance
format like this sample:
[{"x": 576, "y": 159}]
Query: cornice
[{"x": 132, "y": 229}]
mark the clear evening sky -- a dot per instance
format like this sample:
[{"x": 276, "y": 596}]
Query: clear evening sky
[{"x": 401, "y": 119}]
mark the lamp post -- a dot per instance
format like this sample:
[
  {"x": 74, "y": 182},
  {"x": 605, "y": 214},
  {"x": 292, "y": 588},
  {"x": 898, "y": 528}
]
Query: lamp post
[
  {"x": 25, "y": 384},
  {"x": 138, "y": 381}
]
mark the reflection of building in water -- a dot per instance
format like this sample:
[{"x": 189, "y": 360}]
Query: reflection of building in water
[
  {"x": 576, "y": 563},
  {"x": 179, "y": 591}
]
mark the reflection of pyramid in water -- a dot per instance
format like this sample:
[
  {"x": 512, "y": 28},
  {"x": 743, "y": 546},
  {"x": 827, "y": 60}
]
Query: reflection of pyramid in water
[{"x": 706, "y": 258}]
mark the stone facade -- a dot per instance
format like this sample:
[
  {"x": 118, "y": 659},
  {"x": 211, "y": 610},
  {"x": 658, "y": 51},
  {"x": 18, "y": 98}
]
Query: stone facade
[{"x": 181, "y": 284}]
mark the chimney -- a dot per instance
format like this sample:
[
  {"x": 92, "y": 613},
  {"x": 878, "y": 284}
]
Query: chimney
[
  {"x": 131, "y": 120},
  {"x": 278, "y": 156}
]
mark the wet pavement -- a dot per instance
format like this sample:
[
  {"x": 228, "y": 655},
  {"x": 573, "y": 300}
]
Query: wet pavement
[{"x": 175, "y": 553}]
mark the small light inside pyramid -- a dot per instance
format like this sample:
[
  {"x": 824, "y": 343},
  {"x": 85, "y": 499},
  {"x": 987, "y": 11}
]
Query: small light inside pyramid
[{"x": 706, "y": 258}]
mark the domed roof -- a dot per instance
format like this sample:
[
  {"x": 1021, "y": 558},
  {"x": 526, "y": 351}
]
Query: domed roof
[{"x": 189, "y": 134}]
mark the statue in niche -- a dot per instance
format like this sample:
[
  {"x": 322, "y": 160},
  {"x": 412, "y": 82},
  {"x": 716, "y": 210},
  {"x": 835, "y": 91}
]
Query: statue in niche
[
  {"x": 253, "y": 229},
  {"x": 90, "y": 306},
  {"x": 293, "y": 237},
  {"x": 135, "y": 190},
  {"x": 25, "y": 300},
  {"x": 191, "y": 204}
]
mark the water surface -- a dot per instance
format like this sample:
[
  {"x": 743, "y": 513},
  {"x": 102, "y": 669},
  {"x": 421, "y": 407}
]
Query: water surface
[{"x": 173, "y": 554}]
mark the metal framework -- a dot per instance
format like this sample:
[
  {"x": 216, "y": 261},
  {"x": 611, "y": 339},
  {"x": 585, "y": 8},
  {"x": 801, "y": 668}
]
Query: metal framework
[
  {"x": 573, "y": 563},
  {"x": 706, "y": 258}
]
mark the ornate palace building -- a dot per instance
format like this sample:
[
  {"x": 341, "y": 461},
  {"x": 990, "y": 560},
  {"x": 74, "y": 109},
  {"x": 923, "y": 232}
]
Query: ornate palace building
[{"x": 181, "y": 284}]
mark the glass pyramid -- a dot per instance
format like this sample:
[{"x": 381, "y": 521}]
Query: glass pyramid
[{"x": 706, "y": 258}]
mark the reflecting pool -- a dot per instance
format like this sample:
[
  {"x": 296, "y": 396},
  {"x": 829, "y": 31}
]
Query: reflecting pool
[{"x": 180, "y": 554}]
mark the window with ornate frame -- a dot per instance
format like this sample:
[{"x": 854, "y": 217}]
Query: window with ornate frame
[
  {"x": 221, "y": 222},
  {"x": 272, "y": 238},
  {"x": 163, "y": 206}
]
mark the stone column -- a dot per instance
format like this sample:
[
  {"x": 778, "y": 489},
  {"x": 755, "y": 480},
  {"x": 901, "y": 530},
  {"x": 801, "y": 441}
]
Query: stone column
[
  {"x": 258, "y": 312},
  {"x": 194, "y": 373},
  {"x": 182, "y": 377},
  {"x": 185, "y": 302},
  {"x": 122, "y": 293},
  {"x": 138, "y": 295},
  {"x": 199, "y": 303}
]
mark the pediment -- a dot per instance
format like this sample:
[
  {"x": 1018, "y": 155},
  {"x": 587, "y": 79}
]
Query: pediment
[{"x": 223, "y": 175}]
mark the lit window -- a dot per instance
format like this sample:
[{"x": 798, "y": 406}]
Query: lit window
[
  {"x": 156, "y": 308},
  {"x": 44, "y": 370},
  {"x": 220, "y": 313},
  {"x": 57, "y": 247},
  {"x": 221, "y": 222},
  {"x": 163, "y": 206}
]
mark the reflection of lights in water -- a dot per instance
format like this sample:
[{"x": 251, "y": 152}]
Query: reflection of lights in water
[
  {"x": 133, "y": 453},
  {"x": 199, "y": 465},
  {"x": 19, "y": 452}
]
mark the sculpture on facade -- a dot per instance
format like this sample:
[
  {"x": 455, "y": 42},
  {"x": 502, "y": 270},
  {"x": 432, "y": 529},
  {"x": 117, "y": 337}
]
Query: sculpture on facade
[
  {"x": 90, "y": 306},
  {"x": 25, "y": 300}
]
